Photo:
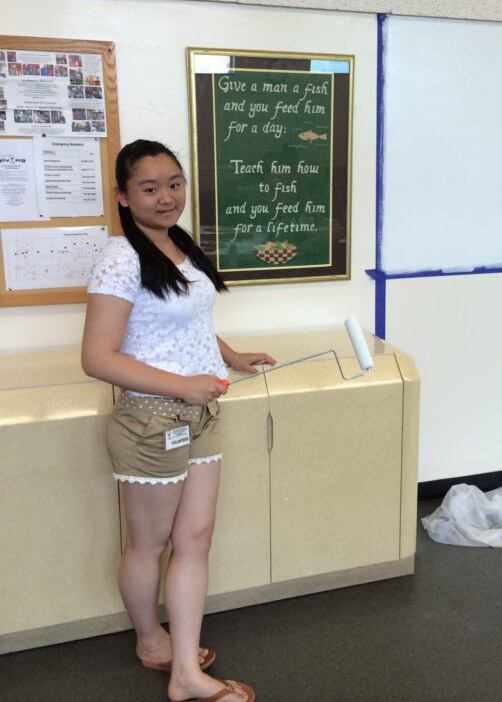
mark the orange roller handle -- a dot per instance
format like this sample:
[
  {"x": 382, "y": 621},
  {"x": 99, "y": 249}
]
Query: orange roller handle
[{"x": 224, "y": 382}]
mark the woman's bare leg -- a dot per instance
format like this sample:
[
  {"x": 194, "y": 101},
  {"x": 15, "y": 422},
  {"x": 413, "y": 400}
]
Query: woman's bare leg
[
  {"x": 186, "y": 582},
  {"x": 150, "y": 511}
]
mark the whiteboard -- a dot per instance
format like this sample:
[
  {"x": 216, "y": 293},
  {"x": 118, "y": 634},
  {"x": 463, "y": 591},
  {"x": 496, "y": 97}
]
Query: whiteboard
[{"x": 442, "y": 148}]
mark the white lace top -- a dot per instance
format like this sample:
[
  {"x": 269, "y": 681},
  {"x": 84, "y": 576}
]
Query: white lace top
[{"x": 175, "y": 334}]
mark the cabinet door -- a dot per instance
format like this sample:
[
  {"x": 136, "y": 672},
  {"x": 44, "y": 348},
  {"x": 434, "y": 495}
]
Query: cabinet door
[
  {"x": 240, "y": 554},
  {"x": 59, "y": 522},
  {"x": 335, "y": 467},
  {"x": 240, "y": 551}
]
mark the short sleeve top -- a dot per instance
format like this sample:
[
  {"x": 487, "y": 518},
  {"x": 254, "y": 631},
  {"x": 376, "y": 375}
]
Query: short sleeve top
[{"x": 175, "y": 334}]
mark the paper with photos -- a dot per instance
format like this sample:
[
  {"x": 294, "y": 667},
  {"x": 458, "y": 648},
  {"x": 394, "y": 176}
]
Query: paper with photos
[{"x": 44, "y": 92}]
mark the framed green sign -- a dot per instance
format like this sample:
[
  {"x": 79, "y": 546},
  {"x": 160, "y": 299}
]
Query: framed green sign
[{"x": 271, "y": 163}]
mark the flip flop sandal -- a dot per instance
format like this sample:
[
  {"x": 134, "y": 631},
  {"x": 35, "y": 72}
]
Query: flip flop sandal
[
  {"x": 167, "y": 665},
  {"x": 227, "y": 690}
]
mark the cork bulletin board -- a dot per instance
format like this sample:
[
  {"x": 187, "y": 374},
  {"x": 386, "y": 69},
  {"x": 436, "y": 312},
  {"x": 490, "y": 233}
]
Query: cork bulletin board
[{"x": 12, "y": 47}]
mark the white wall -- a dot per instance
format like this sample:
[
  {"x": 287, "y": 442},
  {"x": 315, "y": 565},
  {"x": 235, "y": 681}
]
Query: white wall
[
  {"x": 453, "y": 329},
  {"x": 151, "y": 38},
  {"x": 441, "y": 209}
]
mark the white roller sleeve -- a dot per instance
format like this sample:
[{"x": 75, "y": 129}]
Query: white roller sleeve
[{"x": 359, "y": 343}]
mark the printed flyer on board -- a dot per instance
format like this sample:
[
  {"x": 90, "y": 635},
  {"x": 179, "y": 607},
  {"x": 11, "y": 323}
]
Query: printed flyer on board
[
  {"x": 56, "y": 257},
  {"x": 43, "y": 92}
]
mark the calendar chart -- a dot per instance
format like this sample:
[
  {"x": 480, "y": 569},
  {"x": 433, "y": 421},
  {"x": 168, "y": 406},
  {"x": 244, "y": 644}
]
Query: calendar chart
[{"x": 50, "y": 258}]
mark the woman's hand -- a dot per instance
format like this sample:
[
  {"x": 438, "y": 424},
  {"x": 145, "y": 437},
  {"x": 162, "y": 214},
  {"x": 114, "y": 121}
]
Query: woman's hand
[
  {"x": 247, "y": 362},
  {"x": 201, "y": 389}
]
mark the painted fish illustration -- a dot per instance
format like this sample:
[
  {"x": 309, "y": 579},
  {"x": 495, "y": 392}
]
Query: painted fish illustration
[{"x": 312, "y": 136}]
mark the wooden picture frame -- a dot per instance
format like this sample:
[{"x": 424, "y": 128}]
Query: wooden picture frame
[
  {"x": 271, "y": 138},
  {"x": 109, "y": 147}
]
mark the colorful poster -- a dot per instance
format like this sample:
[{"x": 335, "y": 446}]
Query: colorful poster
[{"x": 43, "y": 92}]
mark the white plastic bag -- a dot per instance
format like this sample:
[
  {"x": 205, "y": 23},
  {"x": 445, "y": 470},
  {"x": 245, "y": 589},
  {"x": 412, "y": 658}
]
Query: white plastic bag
[{"x": 467, "y": 517}]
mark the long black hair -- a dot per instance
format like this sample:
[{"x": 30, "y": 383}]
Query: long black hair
[{"x": 158, "y": 273}]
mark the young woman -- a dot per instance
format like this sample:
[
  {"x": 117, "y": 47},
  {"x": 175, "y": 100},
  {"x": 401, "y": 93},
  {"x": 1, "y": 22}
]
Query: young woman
[{"x": 149, "y": 331}]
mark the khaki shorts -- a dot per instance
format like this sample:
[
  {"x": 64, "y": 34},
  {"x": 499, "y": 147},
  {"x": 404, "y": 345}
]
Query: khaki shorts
[{"x": 142, "y": 443}]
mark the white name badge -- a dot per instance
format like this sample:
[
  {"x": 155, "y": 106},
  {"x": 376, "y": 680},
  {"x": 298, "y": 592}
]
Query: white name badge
[{"x": 177, "y": 437}]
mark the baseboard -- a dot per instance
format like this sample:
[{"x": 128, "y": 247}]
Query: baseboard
[
  {"x": 433, "y": 489},
  {"x": 310, "y": 585},
  {"x": 112, "y": 623}
]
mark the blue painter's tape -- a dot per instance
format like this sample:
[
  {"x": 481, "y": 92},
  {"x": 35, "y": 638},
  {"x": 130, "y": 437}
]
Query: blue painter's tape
[
  {"x": 380, "y": 287},
  {"x": 379, "y": 275},
  {"x": 380, "y": 307},
  {"x": 458, "y": 269},
  {"x": 380, "y": 139},
  {"x": 320, "y": 66}
]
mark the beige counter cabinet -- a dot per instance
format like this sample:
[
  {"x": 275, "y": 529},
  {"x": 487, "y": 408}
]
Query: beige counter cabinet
[
  {"x": 343, "y": 463},
  {"x": 318, "y": 485},
  {"x": 59, "y": 535}
]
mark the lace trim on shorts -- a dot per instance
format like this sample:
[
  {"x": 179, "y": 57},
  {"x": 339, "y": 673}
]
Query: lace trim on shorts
[
  {"x": 150, "y": 481},
  {"x": 207, "y": 459},
  {"x": 166, "y": 481}
]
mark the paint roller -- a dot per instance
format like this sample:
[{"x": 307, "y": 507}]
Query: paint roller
[{"x": 358, "y": 343}]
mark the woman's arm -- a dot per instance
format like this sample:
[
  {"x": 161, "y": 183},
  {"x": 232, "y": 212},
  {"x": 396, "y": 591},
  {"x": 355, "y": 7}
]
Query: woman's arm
[
  {"x": 245, "y": 362},
  {"x": 105, "y": 325}
]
